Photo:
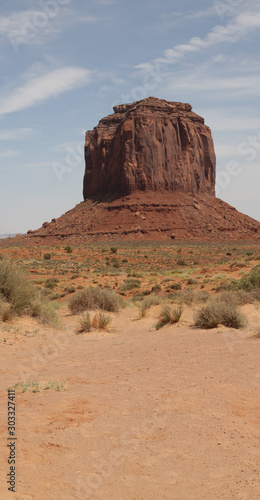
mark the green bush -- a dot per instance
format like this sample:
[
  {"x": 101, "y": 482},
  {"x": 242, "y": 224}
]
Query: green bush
[
  {"x": 68, "y": 249},
  {"x": 47, "y": 256},
  {"x": 94, "y": 298},
  {"x": 113, "y": 249}
]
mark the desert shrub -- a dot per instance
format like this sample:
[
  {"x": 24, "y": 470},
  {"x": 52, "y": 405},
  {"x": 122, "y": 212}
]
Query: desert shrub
[
  {"x": 156, "y": 288},
  {"x": 51, "y": 283},
  {"x": 116, "y": 265},
  {"x": 175, "y": 286},
  {"x": 130, "y": 284},
  {"x": 47, "y": 256},
  {"x": 250, "y": 281},
  {"x": 70, "y": 289},
  {"x": 94, "y": 298},
  {"x": 68, "y": 249},
  {"x": 181, "y": 262},
  {"x": 15, "y": 287},
  {"x": 6, "y": 313},
  {"x": 113, "y": 249},
  {"x": 168, "y": 316},
  {"x": 202, "y": 296},
  {"x": 219, "y": 311}
]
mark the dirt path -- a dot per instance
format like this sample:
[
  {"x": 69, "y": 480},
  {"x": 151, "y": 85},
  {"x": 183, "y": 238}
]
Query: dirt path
[{"x": 169, "y": 414}]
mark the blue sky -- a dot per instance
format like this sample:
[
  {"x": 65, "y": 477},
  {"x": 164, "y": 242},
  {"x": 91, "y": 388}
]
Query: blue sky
[{"x": 65, "y": 63}]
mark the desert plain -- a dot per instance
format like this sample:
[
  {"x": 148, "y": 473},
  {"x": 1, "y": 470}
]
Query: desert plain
[{"x": 134, "y": 410}]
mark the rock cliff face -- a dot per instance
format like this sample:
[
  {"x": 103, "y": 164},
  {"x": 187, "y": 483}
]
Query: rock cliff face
[{"x": 150, "y": 145}]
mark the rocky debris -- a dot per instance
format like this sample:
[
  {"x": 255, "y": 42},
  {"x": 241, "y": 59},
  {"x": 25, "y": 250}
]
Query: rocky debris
[
  {"x": 152, "y": 145},
  {"x": 168, "y": 217}
]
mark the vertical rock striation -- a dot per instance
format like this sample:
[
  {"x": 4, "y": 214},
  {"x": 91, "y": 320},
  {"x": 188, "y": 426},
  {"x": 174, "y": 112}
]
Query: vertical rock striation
[{"x": 150, "y": 145}]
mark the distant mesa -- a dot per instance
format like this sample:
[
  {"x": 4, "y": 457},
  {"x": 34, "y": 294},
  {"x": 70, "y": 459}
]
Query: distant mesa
[{"x": 149, "y": 175}]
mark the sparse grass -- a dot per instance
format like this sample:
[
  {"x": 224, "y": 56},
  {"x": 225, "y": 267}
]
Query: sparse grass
[
  {"x": 168, "y": 316},
  {"x": 145, "y": 305},
  {"x": 100, "y": 321},
  {"x": 94, "y": 298},
  {"x": 36, "y": 386},
  {"x": 85, "y": 324}
]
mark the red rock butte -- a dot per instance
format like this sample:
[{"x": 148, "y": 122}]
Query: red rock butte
[
  {"x": 149, "y": 175},
  {"x": 150, "y": 145}
]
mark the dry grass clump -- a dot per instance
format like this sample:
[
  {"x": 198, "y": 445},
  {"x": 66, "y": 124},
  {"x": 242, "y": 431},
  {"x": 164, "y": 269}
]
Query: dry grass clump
[
  {"x": 220, "y": 310},
  {"x": 94, "y": 298},
  {"x": 44, "y": 312},
  {"x": 18, "y": 296},
  {"x": 168, "y": 316},
  {"x": 15, "y": 287},
  {"x": 145, "y": 305},
  {"x": 100, "y": 321}
]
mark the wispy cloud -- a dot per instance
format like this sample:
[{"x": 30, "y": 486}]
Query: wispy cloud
[
  {"x": 235, "y": 30},
  {"x": 49, "y": 85},
  {"x": 40, "y": 25},
  {"x": 15, "y": 133}
]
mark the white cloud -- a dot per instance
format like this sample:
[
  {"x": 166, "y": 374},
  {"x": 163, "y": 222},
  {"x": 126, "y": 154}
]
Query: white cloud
[
  {"x": 15, "y": 134},
  {"x": 44, "y": 87}
]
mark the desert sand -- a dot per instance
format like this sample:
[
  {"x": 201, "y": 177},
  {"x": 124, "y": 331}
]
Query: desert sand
[{"x": 140, "y": 414}]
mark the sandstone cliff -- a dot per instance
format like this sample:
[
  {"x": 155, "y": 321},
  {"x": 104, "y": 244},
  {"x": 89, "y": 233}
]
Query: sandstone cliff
[{"x": 149, "y": 145}]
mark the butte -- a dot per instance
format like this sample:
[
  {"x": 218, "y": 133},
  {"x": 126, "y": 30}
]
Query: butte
[{"x": 149, "y": 175}]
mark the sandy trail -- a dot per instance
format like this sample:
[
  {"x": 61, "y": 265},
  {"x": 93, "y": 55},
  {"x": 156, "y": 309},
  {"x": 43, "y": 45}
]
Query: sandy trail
[{"x": 169, "y": 414}]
